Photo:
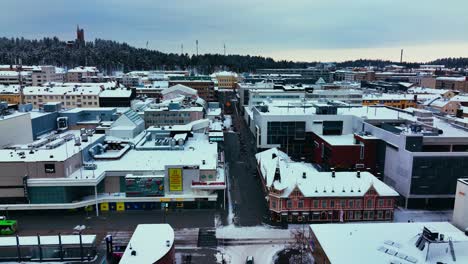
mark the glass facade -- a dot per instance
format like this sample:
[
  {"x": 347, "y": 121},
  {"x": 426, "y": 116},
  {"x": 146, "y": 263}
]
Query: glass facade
[{"x": 290, "y": 135}]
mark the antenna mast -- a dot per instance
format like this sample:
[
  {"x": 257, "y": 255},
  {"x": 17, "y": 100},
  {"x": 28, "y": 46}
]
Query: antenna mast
[{"x": 196, "y": 42}]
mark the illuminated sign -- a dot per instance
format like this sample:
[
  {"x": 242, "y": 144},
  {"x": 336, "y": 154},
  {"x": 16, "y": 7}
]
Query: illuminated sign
[{"x": 175, "y": 179}]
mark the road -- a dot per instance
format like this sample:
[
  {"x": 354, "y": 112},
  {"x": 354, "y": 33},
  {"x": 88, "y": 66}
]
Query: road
[
  {"x": 52, "y": 222},
  {"x": 245, "y": 186}
]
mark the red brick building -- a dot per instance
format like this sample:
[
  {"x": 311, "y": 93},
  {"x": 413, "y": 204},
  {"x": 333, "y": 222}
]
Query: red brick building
[
  {"x": 346, "y": 152},
  {"x": 297, "y": 192}
]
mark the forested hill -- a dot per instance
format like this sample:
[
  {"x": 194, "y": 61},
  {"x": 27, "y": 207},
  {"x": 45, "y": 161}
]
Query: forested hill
[{"x": 110, "y": 55}]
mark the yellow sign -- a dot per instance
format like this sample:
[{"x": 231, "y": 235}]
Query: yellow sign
[{"x": 175, "y": 179}]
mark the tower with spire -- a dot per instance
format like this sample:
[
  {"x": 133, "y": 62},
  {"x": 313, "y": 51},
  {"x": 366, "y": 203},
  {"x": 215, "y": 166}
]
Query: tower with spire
[{"x": 80, "y": 39}]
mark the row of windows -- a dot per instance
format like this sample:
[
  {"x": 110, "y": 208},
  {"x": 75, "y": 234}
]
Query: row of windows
[
  {"x": 61, "y": 97},
  {"x": 350, "y": 215},
  {"x": 167, "y": 114},
  {"x": 350, "y": 204},
  {"x": 284, "y": 132}
]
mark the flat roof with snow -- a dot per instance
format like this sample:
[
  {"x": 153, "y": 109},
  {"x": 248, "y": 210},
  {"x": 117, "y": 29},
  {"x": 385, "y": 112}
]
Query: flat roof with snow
[{"x": 375, "y": 243}]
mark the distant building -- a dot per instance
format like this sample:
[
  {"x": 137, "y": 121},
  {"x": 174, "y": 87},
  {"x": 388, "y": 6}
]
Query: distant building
[
  {"x": 77, "y": 74},
  {"x": 204, "y": 85},
  {"x": 313, "y": 73},
  {"x": 452, "y": 83},
  {"x": 401, "y": 101},
  {"x": 226, "y": 80},
  {"x": 80, "y": 37},
  {"x": 46, "y": 74},
  {"x": 117, "y": 97}
]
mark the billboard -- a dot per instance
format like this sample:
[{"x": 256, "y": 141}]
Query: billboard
[
  {"x": 175, "y": 179},
  {"x": 144, "y": 186}
]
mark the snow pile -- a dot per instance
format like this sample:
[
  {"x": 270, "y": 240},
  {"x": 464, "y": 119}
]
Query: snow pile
[{"x": 227, "y": 121}]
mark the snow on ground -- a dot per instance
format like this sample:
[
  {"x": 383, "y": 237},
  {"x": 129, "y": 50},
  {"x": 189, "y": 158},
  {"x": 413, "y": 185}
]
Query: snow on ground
[
  {"x": 227, "y": 121},
  {"x": 264, "y": 254},
  {"x": 261, "y": 242},
  {"x": 252, "y": 232},
  {"x": 403, "y": 215},
  {"x": 230, "y": 216}
]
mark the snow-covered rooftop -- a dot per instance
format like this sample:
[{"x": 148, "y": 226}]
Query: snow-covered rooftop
[
  {"x": 315, "y": 184},
  {"x": 375, "y": 243},
  {"x": 151, "y": 242}
]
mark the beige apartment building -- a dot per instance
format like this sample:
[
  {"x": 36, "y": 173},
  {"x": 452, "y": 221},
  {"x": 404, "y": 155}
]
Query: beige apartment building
[
  {"x": 45, "y": 74},
  {"x": 77, "y": 74},
  {"x": 70, "y": 97},
  {"x": 226, "y": 80}
]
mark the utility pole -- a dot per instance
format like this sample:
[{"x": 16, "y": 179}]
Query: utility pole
[
  {"x": 196, "y": 42},
  {"x": 224, "y": 49},
  {"x": 401, "y": 56},
  {"x": 20, "y": 80}
]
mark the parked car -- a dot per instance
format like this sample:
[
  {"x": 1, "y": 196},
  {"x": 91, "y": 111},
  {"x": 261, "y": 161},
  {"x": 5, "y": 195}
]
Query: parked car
[{"x": 249, "y": 260}]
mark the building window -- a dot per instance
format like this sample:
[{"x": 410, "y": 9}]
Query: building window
[
  {"x": 324, "y": 203},
  {"x": 379, "y": 214},
  {"x": 350, "y": 215},
  {"x": 388, "y": 214},
  {"x": 316, "y": 203},
  {"x": 366, "y": 215},
  {"x": 273, "y": 204},
  {"x": 371, "y": 215},
  {"x": 361, "y": 152},
  {"x": 343, "y": 203},
  {"x": 357, "y": 215},
  {"x": 288, "y": 204},
  {"x": 300, "y": 204},
  {"x": 381, "y": 202},
  {"x": 49, "y": 168},
  {"x": 369, "y": 203},
  {"x": 350, "y": 203},
  {"x": 332, "y": 204},
  {"x": 389, "y": 202},
  {"x": 358, "y": 203}
]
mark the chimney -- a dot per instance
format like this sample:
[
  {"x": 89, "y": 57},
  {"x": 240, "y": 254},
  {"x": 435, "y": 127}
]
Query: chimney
[
  {"x": 304, "y": 175},
  {"x": 333, "y": 174},
  {"x": 358, "y": 174}
]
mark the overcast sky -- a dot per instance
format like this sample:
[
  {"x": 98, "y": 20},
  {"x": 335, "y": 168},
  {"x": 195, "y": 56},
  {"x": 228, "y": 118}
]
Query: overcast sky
[{"x": 301, "y": 30}]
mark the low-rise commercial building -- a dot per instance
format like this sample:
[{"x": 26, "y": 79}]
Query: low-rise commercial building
[
  {"x": 204, "y": 85},
  {"x": 417, "y": 153},
  {"x": 176, "y": 165},
  {"x": 297, "y": 192}
]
